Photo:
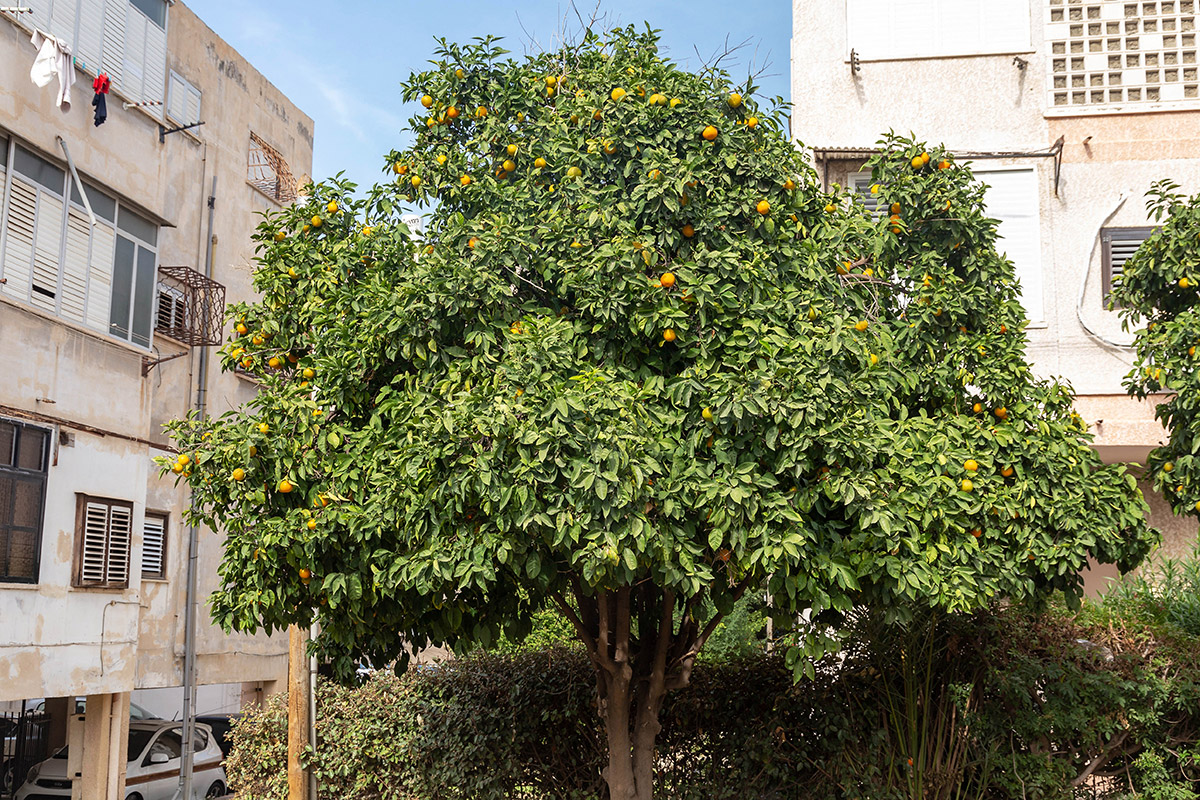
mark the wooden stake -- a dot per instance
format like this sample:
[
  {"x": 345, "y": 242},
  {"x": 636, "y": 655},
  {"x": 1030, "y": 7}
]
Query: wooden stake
[{"x": 298, "y": 722}]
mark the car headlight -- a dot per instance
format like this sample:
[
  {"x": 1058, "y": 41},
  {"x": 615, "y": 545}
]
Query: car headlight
[{"x": 31, "y": 776}]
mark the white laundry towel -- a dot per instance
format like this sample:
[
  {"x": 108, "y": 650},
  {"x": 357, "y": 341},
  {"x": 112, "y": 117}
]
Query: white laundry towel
[{"x": 53, "y": 60}]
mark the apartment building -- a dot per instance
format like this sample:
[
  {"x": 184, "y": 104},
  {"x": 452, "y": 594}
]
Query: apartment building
[
  {"x": 120, "y": 242},
  {"x": 1068, "y": 110}
]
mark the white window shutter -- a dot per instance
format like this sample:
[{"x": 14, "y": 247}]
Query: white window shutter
[
  {"x": 18, "y": 248},
  {"x": 176, "y": 98},
  {"x": 1012, "y": 198},
  {"x": 100, "y": 271},
  {"x": 153, "y": 546},
  {"x": 75, "y": 265},
  {"x": 39, "y": 17},
  {"x": 114, "y": 41},
  {"x": 120, "y": 530},
  {"x": 47, "y": 250},
  {"x": 62, "y": 21},
  {"x": 192, "y": 113},
  {"x": 89, "y": 46},
  {"x": 95, "y": 543},
  {"x": 134, "y": 58},
  {"x": 154, "y": 67},
  {"x": 862, "y": 185}
]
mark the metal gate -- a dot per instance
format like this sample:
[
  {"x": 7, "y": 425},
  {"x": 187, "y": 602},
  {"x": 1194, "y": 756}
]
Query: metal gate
[{"x": 24, "y": 740}]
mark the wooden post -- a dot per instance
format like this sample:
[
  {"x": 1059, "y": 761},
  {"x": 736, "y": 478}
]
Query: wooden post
[{"x": 299, "y": 688}]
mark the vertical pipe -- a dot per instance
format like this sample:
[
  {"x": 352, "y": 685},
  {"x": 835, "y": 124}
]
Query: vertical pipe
[
  {"x": 189, "y": 610},
  {"x": 312, "y": 714}
]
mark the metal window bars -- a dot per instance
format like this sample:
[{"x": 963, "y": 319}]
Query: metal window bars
[{"x": 195, "y": 313}]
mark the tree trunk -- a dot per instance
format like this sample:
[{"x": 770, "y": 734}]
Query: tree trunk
[{"x": 631, "y": 724}]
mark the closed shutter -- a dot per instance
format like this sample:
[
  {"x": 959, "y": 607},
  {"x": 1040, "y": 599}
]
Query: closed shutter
[
  {"x": 114, "y": 41},
  {"x": 154, "y": 546},
  {"x": 192, "y": 112},
  {"x": 893, "y": 29},
  {"x": 134, "y": 58},
  {"x": 62, "y": 20},
  {"x": 75, "y": 265},
  {"x": 183, "y": 100},
  {"x": 89, "y": 46},
  {"x": 105, "y": 528},
  {"x": 154, "y": 67},
  {"x": 18, "y": 242},
  {"x": 47, "y": 251},
  {"x": 1012, "y": 198},
  {"x": 39, "y": 15},
  {"x": 100, "y": 271},
  {"x": 862, "y": 187}
]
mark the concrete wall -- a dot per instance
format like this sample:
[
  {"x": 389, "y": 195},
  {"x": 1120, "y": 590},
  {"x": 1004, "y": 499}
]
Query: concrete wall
[
  {"x": 989, "y": 103},
  {"x": 56, "y": 640}
]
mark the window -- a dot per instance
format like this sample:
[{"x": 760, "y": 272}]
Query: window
[
  {"x": 169, "y": 743},
  {"x": 861, "y": 182},
  {"x": 125, "y": 38},
  {"x": 1117, "y": 55},
  {"x": 154, "y": 546},
  {"x": 170, "y": 315},
  {"x": 268, "y": 172},
  {"x": 24, "y": 457},
  {"x": 52, "y": 257},
  {"x": 1117, "y": 245},
  {"x": 103, "y": 530},
  {"x": 183, "y": 100},
  {"x": 896, "y": 29}
]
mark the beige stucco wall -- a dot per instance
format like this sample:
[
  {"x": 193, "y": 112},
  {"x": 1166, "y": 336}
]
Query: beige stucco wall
[
  {"x": 988, "y": 103},
  {"x": 56, "y": 640}
]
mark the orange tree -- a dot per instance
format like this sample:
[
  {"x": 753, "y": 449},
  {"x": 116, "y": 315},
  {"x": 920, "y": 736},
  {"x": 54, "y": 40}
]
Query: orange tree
[
  {"x": 1159, "y": 293},
  {"x": 638, "y": 365}
]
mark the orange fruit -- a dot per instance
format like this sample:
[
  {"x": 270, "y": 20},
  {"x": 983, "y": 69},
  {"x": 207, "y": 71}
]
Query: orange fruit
[
  {"x": 617, "y": 93},
  {"x": 481, "y": 112},
  {"x": 309, "y": 373},
  {"x": 789, "y": 184},
  {"x": 970, "y": 465},
  {"x": 752, "y": 123},
  {"x": 452, "y": 112},
  {"x": 415, "y": 180},
  {"x": 655, "y": 174},
  {"x": 263, "y": 427},
  {"x": 316, "y": 221},
  {"x": 574, "y": 172},
  {"x": 399, "y": 168},
  {"x": 667, "y": 280},
  {"x": 305, "y": 574},
  {"x": 689, "y": 231},
  {"x": 917, "y": 163},
  {"x": 709, "y": 133},
  {"x": 943, "y": 164},
  {"x": 1001, "y": 413},
  {"x": 669, "y": 335},
  {"x": 707, "y": 414},
  {"x": 763, "y": 207},
  {"x": 1007, "y": 472},
  {"x": 239, "y": 474},
  {"x": 274, "y": 363},
  {"x": 465, "y": 180},
  {"x": 285, "y": 486},
  {"x": 735, "y": 100},
  {"x": 472, "y": 242},
  {"x": 1184, "y": 283},
  {"x": 539, "y": 162},
  {"x": 976, "y": 533},
  {"x": 509, "y": 166},
  {"x": 311, "y": 524},
  {"x": 241, "y": 328},
  {"x": 977, "y": 408},
  {"x": 861, "y": 325},
  {"x": 895, "y": 208},
  {"x": 966, "y": 485},
  {"x": 427, "y": 101}
]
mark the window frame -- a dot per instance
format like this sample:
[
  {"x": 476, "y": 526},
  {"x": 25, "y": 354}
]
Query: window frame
[
  {"x": 1106, "y": 255},
  {"x": 187, "y": 88},
  {"x": 81, "y": 504},
  {"x": 19, "y": 427},
  {"x": 165, "y": 518}
]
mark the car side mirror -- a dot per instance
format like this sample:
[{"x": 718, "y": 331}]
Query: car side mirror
[{"x": 159, "y": 758}]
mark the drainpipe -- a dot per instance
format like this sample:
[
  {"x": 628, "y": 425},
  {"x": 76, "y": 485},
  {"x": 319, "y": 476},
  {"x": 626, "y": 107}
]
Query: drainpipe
[{"x": 189, "y": 609}]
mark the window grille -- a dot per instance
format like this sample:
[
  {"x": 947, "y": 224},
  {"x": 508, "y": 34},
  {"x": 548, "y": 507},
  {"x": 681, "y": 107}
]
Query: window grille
[{"x": 268, "y": 172}]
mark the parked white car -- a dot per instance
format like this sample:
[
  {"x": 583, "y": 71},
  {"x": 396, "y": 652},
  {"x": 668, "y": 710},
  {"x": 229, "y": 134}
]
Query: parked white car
[{"x": 155, "y": 755}]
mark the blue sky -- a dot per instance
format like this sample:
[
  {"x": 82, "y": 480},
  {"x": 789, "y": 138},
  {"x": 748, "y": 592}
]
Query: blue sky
[{"x": 342, "y": 61}]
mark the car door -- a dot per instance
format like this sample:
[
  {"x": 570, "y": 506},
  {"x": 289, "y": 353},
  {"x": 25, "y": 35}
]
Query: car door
[{"x": 158, "y": 771}]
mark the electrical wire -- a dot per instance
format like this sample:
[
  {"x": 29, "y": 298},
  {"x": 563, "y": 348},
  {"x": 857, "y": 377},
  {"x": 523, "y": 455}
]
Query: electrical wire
[{"x": 1087, "y": 272}]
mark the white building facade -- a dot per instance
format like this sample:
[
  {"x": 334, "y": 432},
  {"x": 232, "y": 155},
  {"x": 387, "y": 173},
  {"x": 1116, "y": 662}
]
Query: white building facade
[
  {"x": 110, "y": 255},
  {"x": 1069, "y": 110}
]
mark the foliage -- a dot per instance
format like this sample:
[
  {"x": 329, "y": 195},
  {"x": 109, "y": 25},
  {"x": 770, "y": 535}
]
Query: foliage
[
  {"x": 640, "y": 366},
  {"x": 1001, "y": 705},
  {"x": 1159, "y": 295}
]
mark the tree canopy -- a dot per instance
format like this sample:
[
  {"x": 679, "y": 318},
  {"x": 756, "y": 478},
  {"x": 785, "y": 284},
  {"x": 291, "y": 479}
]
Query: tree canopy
[
  {"x": 1158, "y": 293},
  {"x": 638, "y": 364}
]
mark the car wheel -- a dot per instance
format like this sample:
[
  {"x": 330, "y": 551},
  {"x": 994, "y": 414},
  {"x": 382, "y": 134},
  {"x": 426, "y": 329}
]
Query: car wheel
[
  {"x": 214, "y": 791},
  {"x": 133, "y": 796}
]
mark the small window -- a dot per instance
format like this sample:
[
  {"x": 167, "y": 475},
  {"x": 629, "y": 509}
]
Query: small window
[
  {"x": 103, "y": 206},
  {"x": 267, "y": 171},
  {"x": 39, "y": 170},
  {"x": 154, "y": 547},
  {"x": 1117, "y": 245},
  {"x": 103, "y": 531},
  {"x": 24, "y": 458},
  {"x": 155, "y": 10},
  {"x": 169, "y": 743},
  {"x": 138, "y": 226},
  {"x": 183, "y": 100}
]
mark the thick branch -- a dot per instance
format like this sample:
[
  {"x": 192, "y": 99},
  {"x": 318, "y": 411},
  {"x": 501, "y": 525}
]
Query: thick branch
[{"x": 584, "y": 634}]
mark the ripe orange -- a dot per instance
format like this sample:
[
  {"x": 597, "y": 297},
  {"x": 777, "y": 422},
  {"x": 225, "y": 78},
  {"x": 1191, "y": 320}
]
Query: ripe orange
[
  {"x": 943, "y": 164},
  {"x": 667, "y": 280},
  {"x": 452, "y": 112},
  {"x": 655, "y": 174},
  {"x": 763, "y": 207},
  {"x": 309, "y": 373},
  {"x": 1167, "y": 467},
  {"x": 709, "y": 133},
  {"x": 305, "y": 574},
  {"x": 574, "y": 172},
  {"x": 241, "y": 328},
  {"x": 967, "y": 485},
  {"x": 509, "y": 166},
  {"x": 427, "y": 101},
  {"x": 976, "y": 533},
  {"x": 465, "y": 180},
  {"x": 977, "y": 408},
  {"x": 1004, "y": 329},
  {"x": 316, "y": 221},
  {"x": 399, "y": 168},
  {"x": 874, "y": 359},
  {"x": 917, "y": 163},
  {"x": 551, "y": 80},
  {"x": 1184, "y": 283},
  {"x": 415, "y": 180},
  {"x": 689, "y": 231},
  {"x": 1001, "y": 413},
  {"x": 735, "y": 100},
  {"x": 752, "y": 123},
  {"x": 617, "y": 93},
  {"x": 789, "y": 184},
  {"x": 472, "y": 242},
  {"x": 895, "y": 208},
  {"x": 311, "y": 524},
  {"x": 669, "y": 335},
  {"x": 539, "y": 162},
  {"x": 239, "y": 474},
  {"x": 861, "y": 325},
  {"x": 274, "y": 363},
  {"x": 1007, "y": 472},
  {"x": 970, "y": 465},
  {"x": 285, "y": 486},
  {"x": 481, "y": 112}
]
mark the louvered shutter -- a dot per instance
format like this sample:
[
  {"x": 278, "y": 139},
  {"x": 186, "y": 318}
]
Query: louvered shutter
[
  {"x": 18, "y": 243},
  {"x": 154, "y": 66},
  {"x": 1117, "y": 246},
  {"x": 1012, "y": 198},
  {"x": 94, "y": 552},
  {"x": 134, "y": 57},
  {"x": 103, "y": 555},
  {"x": 154, "y": 546},
  {"x": 192, "y": 110},
  {"x": 100, "y": 271},
  {"x": 39, "y": 17},
  {"x": 176, "y": 98},
  {"x": 75, "y": 265},
  {"x": 62, "y": 20},
  {"x": 89, "y": 46},
  {"x": 113, "y": 52},
  {"x": 120, "y": 534},
  {"x": 47, "y": 251},
  {"x": 862, "y": 186}
]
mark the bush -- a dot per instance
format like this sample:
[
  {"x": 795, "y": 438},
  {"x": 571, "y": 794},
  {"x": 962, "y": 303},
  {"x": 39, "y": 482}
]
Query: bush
[{"x": 1000, "y": 705}]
